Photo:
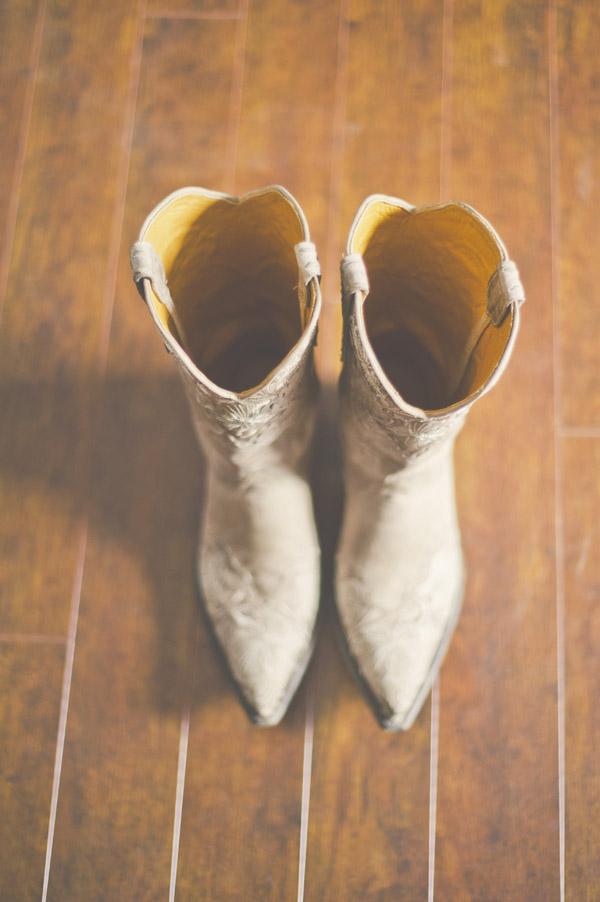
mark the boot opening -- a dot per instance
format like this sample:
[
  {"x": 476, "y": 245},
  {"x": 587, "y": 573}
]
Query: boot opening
[
  {"x": 428, "y": 272},
  {"x": 412, "y": 370},
  {"x": 233, "y": 277}
]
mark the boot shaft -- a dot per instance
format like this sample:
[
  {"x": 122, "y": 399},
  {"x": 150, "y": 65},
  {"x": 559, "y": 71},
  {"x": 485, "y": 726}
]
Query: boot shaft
[
  {"x": 223, "y": 279},
  {"x": 431, "y": 312}
]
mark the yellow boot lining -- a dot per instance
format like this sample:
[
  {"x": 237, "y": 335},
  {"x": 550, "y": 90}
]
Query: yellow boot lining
[
  {"x": 233, "y": 277},
  {"x": 425, "y": 312}
]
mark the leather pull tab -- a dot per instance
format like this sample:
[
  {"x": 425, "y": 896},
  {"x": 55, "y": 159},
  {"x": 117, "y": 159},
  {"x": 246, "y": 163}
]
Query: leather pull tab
[
  {"x": 308, "y": 262},
  {"x": 504, "y": 289},
  {"x": 354, "y": 275},
  {"x": 146, "y": 264},
  {"x": 308, "y": 269},
  {"x": 355, "y": 281}
]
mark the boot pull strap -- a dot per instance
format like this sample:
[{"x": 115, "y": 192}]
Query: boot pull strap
[
  {"x": 354, "y": 275},
  {"x": 308, "y": 262},
  {"x": 355, "y": 281},
  {"x": 146, "y": 264},
  {"x": 504, "y": 288},
  {"x": 309, "y": 268}
]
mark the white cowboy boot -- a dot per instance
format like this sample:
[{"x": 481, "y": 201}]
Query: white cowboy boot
[
  {"x": 236, "y": 268},
  {"x": 431, "y": 312}
]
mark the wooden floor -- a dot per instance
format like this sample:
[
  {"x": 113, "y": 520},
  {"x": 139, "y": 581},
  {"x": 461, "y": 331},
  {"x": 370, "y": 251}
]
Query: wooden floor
[{"x": 127, "y": 768}]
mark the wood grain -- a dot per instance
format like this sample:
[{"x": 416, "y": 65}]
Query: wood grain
[
  {"x": 335, "y": 100},
  {"x": 369, "y": 814},
  {"x": 241, "y": 812},
  {"x": 138, "y": 619},
  {"x": 498, "y": 792},
  {"x": 192, "y": 8},
  {"x": 137, "y": 622},
  {"x": 52, "y": 324},
  {"x": 581, "y": 495},
  {"x": 19, "y": 25},
  {"x": 578, "y": 34},
  {"x": 392, "y": 146},
  {"x": 30, "y": 680}
]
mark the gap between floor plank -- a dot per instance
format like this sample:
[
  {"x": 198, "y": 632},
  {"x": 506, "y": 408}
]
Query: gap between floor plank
[
  {"x": 558, "y": 464},
  {"x": 179, "y": 792},
  {"x": 306, "y": 780},
  {"x": 64, "y": 702},
  {"x": 433, "y": 776}
]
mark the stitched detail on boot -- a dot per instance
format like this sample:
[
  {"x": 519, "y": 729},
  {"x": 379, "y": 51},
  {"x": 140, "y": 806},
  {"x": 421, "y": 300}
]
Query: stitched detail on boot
[
  {"x": 246, "y": 435},
  {"x": 504, "y": 289},
  {"x": 308, "y": 262},
  {"x": 263, "y": 616},
  {"x": 242, "y": 596},
  {"x": 382, "y": 432}
]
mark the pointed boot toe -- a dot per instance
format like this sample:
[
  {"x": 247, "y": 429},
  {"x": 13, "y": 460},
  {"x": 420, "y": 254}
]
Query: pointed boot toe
[
  {"x": 264, "y": 620},
  {"x": 397, "y": 637}
]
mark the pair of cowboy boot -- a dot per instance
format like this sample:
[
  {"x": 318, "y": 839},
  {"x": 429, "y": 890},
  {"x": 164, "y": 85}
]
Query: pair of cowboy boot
[{"x": 431, "y": 312}]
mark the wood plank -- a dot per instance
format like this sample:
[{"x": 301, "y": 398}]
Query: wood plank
[
  {"x": 241, "y": 811},
  {"x": 52, "y": 326},
  {"x": 578, "y": 29},
  {"x": 138, "y": 618},
  {"x": 136, "y": 622},
  {"x": 498, "y": 833},
  {"x": 369, "y": 810},
  {"x": 393, "y": 104},
  {"x": 192, "y": 8},
  {"x": 19, "y": 27},
  {"x": 30, "y": 681},
  {"x": 581, "y": 499}
]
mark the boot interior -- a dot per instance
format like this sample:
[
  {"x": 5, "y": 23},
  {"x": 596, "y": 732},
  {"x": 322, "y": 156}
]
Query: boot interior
[
  {"x": 428, "y": 272},
  {"x": 233, "y": 277}
]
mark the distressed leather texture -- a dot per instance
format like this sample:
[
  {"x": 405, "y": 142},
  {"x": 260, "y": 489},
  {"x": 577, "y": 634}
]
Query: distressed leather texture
[
  {"x": 424, "y": 339},
  {"x": 243, "y": 278}
]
